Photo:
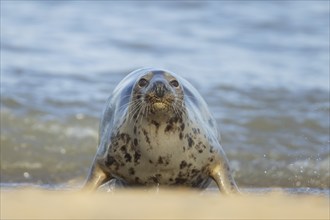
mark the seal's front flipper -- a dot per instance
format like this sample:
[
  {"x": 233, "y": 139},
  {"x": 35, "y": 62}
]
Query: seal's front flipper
[
  {"x": 96, "y": 178},
  {"x": 222, "y": 176}
]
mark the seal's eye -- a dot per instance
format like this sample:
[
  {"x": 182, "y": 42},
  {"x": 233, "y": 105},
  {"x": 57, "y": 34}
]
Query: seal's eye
[
  {"x": 143, "y": 82},
  {"x": 174, "y": 83}
]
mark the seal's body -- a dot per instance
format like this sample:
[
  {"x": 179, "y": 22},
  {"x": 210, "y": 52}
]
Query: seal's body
[{"x": 157, "y": 130}]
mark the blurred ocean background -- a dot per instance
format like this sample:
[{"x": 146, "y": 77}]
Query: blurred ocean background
[{"x": 262, "y": 66}]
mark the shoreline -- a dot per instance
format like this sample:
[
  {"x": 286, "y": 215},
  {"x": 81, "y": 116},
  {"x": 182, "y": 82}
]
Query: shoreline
[{"x": 248, "y": 190}]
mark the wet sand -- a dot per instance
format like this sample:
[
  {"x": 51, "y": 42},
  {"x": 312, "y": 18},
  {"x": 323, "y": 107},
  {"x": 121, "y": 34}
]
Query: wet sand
[{"x": 165, "y": 204}]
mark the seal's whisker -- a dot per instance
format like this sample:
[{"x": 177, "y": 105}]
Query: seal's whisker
[
  {"x": 130, "y": 113},
  {"x": 175, "y": 110},
  {"x": 140, "y": 113},
  {"x": 135, "y": 108},
  {"x": 125, "y": 105},
  {"x": 178, "y": 108}
]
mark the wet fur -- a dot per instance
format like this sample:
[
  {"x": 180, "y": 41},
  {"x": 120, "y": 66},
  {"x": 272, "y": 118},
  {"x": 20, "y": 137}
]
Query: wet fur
[{"x": 154, "y": 136}]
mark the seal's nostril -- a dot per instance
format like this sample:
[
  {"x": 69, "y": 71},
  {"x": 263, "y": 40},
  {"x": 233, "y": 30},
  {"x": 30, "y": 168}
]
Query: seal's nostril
[
  {"x": 160, "y": 89},
  {"x": 160, "y": 92}
]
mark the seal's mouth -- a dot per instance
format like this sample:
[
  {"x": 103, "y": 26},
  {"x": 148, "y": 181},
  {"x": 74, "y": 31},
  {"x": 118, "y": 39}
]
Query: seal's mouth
[{"x": 159, "y": 105}]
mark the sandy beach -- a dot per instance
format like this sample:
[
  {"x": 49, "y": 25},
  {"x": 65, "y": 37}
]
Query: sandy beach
[{"x": 165, "y": 204}]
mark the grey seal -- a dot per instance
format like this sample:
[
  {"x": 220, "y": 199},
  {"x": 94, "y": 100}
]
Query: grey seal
[{"x": 157, "y": 130}]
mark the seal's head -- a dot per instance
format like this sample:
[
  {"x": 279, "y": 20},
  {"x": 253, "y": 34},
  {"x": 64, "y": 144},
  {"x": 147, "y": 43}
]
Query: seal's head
[{"x": 157, "y": 92}]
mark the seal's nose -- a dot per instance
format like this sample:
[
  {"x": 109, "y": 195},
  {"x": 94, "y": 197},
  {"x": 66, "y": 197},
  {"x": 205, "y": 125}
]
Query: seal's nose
[{"x": 160, "y": 89}]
